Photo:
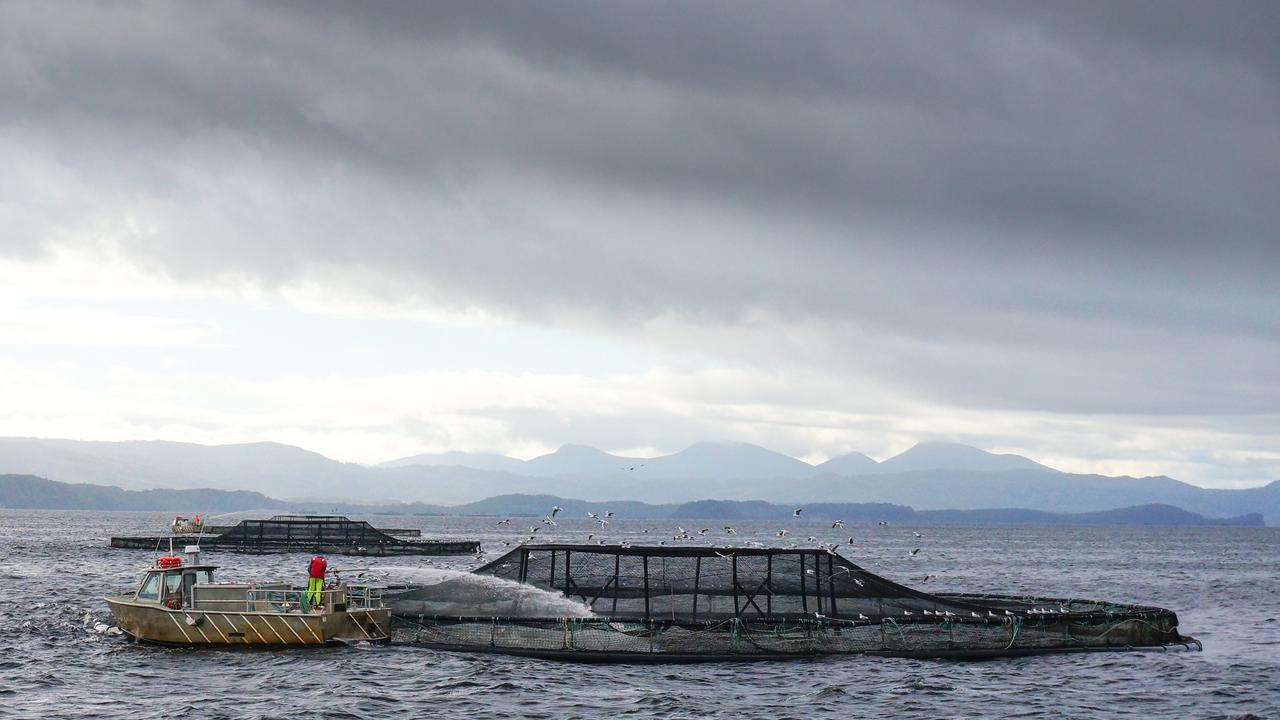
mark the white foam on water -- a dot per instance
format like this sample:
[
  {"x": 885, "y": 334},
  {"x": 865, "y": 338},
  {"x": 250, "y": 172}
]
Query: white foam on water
[{"x": 455, "y": 592}]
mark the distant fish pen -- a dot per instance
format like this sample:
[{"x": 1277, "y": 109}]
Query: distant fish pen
[
  {"x": 664, "y": 604},
  {"x": 327, "y": 534}
]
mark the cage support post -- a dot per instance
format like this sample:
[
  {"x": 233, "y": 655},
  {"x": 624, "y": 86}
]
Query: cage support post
[
  {"x": 697, "y": 575},
  {"x": 804, "y": 590},
  {"x": 768, "y": 583},
  {"x": 645, "y": 562}
]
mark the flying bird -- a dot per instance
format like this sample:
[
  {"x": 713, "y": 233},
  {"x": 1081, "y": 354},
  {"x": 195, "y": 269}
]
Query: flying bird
[
  {"x": 505, "y": 522},
  {"x": 837, "y": 524},
  {"x": 782, "y": 533},
  {"x": 555, "y": 509},
  {"x": 913, "y": 552},
  {"x": 796, "y": 512}
]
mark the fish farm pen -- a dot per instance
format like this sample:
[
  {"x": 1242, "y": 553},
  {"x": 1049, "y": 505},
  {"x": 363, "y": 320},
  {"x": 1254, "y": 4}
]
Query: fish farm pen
[
  {"x": 328, "y": 534},
  {"x": 665, "y": 604}
]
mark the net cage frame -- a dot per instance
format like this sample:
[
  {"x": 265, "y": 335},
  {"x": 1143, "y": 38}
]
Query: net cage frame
[{"x": 657, "y": 603}]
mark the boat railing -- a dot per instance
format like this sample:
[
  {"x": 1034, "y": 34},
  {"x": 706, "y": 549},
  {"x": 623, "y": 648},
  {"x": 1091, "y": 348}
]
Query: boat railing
[{"x": 288, "y": 600}]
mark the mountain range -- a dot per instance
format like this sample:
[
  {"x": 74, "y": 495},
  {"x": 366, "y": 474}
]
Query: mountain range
[
  {"x": 26, "y": 491},
  {"x": 929, "y": 476}
]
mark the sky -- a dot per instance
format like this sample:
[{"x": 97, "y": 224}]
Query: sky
[{"x": 375, "y": 230}]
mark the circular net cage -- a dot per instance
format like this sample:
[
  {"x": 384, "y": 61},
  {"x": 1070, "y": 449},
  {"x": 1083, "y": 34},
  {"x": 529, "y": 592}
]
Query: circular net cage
[{"x": 701, "y": 603}]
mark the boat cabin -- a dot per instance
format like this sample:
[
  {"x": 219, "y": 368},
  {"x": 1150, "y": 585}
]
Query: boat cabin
[{"x": 173, "y": 585}]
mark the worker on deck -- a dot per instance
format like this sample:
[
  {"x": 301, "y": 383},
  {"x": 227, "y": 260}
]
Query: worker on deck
[{"x": 315, "y": 581}]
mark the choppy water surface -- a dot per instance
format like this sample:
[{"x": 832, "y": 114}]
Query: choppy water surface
[{"x": 1223, "y": 583}]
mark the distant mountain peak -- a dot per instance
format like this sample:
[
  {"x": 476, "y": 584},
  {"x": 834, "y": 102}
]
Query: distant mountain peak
[{"x": 940, "y": 455}]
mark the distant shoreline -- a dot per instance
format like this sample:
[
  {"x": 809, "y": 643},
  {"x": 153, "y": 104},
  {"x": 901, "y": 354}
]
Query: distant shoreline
[{"x": 29, "y": 492}]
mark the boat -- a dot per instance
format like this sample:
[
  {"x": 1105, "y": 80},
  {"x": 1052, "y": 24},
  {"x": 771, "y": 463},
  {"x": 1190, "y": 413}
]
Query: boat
[
  {"x": 178, "y": 602},
  {"x": 186, "y": 526}
]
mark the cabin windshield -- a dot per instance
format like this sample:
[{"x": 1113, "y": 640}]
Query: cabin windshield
[
  {"x": 150, "y": 589},
  {"x": 172, "y": 584}
]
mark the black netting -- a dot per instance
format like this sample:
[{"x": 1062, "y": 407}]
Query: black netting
[{"x": 714, "y": 602}]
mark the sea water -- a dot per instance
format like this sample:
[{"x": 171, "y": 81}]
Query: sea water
[{"x": 1224, "y": 583}]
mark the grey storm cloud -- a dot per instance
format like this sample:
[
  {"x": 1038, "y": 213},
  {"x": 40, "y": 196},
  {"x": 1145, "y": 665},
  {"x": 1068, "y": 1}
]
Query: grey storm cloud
[{"x": 1058, "y": 206}]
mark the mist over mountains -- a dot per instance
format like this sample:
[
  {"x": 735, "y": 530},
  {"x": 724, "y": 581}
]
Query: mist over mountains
[{"x": 929, "y": 476}]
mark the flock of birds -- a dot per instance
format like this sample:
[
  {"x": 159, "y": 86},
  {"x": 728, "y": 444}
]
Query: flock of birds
[{"x": 681, "y": 534}]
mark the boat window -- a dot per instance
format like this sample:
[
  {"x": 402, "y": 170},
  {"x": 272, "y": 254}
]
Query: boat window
[
  {"x": 172, "y": 584},
  {"x": 194, "y": 577},
  {"x": 150, "y": 587}
]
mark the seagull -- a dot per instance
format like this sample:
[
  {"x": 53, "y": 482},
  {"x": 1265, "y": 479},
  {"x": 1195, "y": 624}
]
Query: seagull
[
  {"x": 811, "y": 539},
  {"x": 926, "y": 612},
  {"x": 927, "y": 577},
  {"x": 882, "y": 522},
  {"x": 859, "y": 582},
  {"x": 851, "y": 541},
  {"x": 974, "y": 614},
  {"x": 534, "y": 528},
  {"x": 703, "y": 531},
  {"x": 603, "y": 524},
  {"x": 863, "y": 617},
  {"x": 837, "y": 524},
  {"x": 590, "y": 535},
  {"x": 722, "y": 555},
  {"x": 913, "y": 552},
  {"x": 913, "y": 532},
  {"x": 645, "y": 530},
  {"x": 729, "y": 530},
  {"x": 505, "y": 522},
  {"x": 782, "y": 533},
  {"x": 796, "y": 512},
  {"x": 608, "y": 513},
  {"x": 593, "y": 516},
  {"x": 555, "y": 509},
  {"x": 906, "y": 612}
]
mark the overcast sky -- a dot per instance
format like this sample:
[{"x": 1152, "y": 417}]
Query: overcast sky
[{"x": 373, "y": 230}]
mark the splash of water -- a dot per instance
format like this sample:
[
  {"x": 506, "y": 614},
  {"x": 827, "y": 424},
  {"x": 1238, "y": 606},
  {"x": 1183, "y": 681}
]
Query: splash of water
[{"x": 434, "y": 591}]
